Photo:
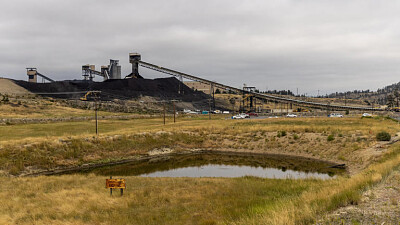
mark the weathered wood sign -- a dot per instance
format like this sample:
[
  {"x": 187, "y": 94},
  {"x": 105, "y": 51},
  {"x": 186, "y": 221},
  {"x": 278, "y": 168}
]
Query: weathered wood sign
[{"x": 115, "y": 183}]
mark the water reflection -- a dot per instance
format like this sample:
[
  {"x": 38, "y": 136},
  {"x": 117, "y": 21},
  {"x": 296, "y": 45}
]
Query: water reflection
[
  {"x": 214, "y": 170},
  {"x": 224, "y": 165}
]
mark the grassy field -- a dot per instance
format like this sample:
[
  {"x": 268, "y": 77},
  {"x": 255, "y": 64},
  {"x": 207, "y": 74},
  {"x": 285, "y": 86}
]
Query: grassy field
[
  {"x": 40, "y": 108},
  {"x": 83, "y": 199},
  {"x": 73, "y": 143}
]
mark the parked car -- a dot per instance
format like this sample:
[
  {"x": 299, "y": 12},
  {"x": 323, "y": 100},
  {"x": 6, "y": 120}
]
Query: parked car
[
  {"x": 252, "y": 114},
  {"x": 217, "y": 111},
  {"x": 225, "y": 112},
  {"x": 239, "y": 116},
  {"x": 366, "y": 115},
  {"x": 290, "y": 115},
  {"x": 335, "y": 115},
  {"x": 245, "y": 115}
]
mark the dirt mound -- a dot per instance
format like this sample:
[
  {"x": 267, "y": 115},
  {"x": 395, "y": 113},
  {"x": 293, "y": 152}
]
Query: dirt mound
[
  {"x": 7, "y": 86},
  {"x": 165, "y": 88}
]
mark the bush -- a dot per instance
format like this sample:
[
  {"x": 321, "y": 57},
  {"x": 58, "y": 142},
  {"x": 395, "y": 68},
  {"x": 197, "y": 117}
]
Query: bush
[
  {"x": 281, "y": 133},
  {"x": 330, "y": 137},
  {"x": 383, "y": 136},
  {"x": 295, "y": 136}
]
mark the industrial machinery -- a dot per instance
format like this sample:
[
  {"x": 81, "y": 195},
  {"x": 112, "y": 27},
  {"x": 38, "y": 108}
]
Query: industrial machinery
[
  {"x": 112, "y": 71},
  {"x": 33, "y": 75},
  {"x": 94, "y": 94},
  {"x": 134, "y": 59},
  {"x": 249, "y": 99},
  {"x": 269, "y": 97}
]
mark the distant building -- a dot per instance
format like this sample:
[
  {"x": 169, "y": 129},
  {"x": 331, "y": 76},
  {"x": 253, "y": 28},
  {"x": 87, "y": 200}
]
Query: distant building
[{"x": 195, "y": 85}]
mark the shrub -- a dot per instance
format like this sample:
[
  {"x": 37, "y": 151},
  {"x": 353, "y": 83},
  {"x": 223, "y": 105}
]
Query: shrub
[
  {"x": 295, "y": 136},
  {"x": 330, "y": 137},
  {"x": 281, "y": 133},
  {"x": 383, "y": 136}
]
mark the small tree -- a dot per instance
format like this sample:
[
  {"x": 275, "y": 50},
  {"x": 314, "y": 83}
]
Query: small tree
[{"x": 390, "y": 100}]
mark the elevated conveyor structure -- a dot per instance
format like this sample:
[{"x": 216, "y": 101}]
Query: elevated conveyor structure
[
  {"x": 268, "y": 97},
  {"x": 88, "y": 72},
  {"x": 45, "y": 77},
  {"x": 33, "y": 74}
]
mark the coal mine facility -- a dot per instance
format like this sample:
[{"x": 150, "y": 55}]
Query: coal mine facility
[
  {"x": 164, "y": 88},
  {"x": 113, "y": 86},
  {"x": 134, "y": 85}
]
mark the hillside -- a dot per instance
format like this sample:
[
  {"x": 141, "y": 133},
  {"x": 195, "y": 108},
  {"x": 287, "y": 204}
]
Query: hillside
[
  {"x": 383, "y": 96},
  {"x": 8, "y": 87}
]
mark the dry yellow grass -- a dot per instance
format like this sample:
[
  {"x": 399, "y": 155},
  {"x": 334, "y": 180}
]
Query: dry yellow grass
[
  {"x": 81, "y": 199},
  {"x": 73, "y": 143},
  {"x": 78, "y": 199},
  {"x": 334, "y": 193},
  {"x": 41, "y": 108}
]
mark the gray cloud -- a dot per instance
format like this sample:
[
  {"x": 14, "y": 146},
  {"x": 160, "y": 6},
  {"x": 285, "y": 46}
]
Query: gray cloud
[{"x": 310, "y": 45}]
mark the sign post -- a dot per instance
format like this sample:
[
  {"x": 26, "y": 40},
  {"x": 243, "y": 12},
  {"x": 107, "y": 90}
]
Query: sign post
[{"x": 116, "y": 183}]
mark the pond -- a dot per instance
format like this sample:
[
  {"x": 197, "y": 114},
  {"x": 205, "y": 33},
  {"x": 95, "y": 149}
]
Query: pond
[{"x": 224, "y": 164}]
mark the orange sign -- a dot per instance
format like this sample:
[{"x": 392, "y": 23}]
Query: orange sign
[{"x": 115, "y": 183}]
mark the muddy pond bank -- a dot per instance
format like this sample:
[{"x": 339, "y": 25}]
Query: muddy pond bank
[{"x": 253, "y": 164}]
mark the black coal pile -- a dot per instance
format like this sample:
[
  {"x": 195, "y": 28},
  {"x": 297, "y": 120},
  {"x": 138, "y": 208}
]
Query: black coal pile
[{"x": 164, "y": 88}]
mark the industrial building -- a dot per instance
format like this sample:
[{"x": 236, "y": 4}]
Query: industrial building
[
  {"x": 132, "y": 82},
  {"x": 109, "y": 72}
]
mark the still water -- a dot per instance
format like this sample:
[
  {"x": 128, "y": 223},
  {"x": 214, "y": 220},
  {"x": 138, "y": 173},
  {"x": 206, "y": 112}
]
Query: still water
[
  {"x": 214, "y": 170},
  {"x": 224, "y": 165}
]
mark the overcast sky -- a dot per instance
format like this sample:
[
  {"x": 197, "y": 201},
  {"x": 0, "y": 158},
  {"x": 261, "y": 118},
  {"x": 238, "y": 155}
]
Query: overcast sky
[{"x": 284, "y": 44}]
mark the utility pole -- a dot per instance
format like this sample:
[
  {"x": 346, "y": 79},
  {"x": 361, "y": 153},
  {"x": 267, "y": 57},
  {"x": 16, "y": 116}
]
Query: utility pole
[
  {"x": 212, "y": 94},
  {"x": 96, "y": 96},
  {"x": 164, "y": 111},
  {"x": 173, "y": 104},
  {"x": 209, "y": 112},
  {"x": 95, "y": 116},
  {"x": 328, "y": 108},
  {"x": 213, "y": 98}
]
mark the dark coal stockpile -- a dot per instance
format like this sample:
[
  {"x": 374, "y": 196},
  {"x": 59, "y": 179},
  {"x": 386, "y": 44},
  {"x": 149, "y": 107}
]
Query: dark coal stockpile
[{"x": 165, "y": 88}]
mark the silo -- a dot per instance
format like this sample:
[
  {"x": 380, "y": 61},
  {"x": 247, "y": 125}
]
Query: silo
[{"x": 115, "y": 69}]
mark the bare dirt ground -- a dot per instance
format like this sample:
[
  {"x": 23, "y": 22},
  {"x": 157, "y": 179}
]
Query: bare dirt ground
[
  {"x": 9, "y": 87},
  {"x": 379, "y": 205}
]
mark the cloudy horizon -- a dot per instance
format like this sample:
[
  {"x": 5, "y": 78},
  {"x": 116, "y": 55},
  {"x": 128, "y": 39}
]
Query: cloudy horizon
[{"x": 310, "y": 45}]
